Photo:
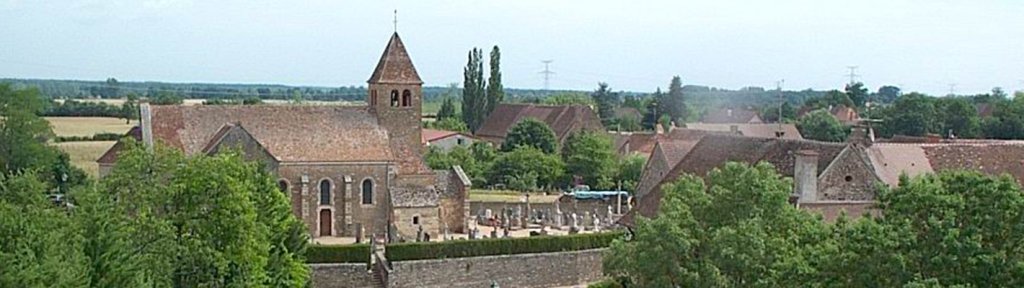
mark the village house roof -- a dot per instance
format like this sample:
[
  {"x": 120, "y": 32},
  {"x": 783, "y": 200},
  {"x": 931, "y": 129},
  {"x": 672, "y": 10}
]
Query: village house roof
[
  {"x": 110, "y": 156},
  {"x": 762, "y": 130},
  {"x": 731, "y": 116},
  {"x": 288, "y": 133},
  {"x": 714, "y": 150},
  {"x": 395, "y": 66},
  {"x": 563, "y": 119},
  {"x": 993, "y": 158}
]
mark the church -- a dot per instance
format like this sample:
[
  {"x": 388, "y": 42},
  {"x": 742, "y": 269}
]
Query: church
[{"x": 350, "y": 171}]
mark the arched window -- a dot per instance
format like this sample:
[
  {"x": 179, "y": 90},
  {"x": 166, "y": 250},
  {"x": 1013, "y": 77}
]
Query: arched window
[
  {"x": 406, "y": 98},
  {"x": 283, "y": 186},
  {"x": 394, "y": 98},
  {"x": 367, "y": 191},
  {"x": 325, "y": 192}
]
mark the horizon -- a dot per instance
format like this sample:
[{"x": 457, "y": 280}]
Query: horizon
[{"x": 921, "y": 46}]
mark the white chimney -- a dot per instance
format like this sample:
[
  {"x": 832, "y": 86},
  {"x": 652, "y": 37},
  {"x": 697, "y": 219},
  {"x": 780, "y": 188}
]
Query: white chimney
[
  {"x": 805, "y": 176},
  {"x": 146, "y": 123}
]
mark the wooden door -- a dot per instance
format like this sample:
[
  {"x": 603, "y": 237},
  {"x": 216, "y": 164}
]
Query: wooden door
[{"x": 325, "y": 222}]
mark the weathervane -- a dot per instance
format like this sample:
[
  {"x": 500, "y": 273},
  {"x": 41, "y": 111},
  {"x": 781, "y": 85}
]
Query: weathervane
[{"x": 396, "y": 21}]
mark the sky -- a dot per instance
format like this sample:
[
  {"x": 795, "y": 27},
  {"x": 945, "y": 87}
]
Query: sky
[{"x": 929, "y": 46}]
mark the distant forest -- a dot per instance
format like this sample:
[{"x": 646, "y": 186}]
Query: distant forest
[{"x": 113, "y": 89}]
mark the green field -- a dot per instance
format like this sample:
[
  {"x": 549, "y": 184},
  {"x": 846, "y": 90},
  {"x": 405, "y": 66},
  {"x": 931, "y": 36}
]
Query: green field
[{"x": 508, "y": 196}]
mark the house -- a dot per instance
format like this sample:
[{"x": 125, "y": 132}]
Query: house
[
  {"x": 446, "y": 140},
  {"x": 731, "y": 116},
  {"x": 763, "y": 130},
  {"x": 563, "y": 120},
  {"x": 349, "y": 171},
  {"x": 829, "y": 178}
]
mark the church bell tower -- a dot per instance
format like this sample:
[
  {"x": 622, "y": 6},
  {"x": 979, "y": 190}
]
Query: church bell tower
[{"x": 395, "y": 96}]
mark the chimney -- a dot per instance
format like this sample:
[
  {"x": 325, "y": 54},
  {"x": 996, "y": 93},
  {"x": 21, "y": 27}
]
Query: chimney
[
  {"x": 805, "y": 176},
  {"x": 146, "y": 123}
]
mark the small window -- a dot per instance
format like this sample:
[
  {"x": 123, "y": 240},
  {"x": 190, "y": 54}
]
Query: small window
[
  {"x": 394, "y": 98},
  {"x": 325, "y": 192},
  {"x": 283, "y": 186},
  {"x": 373, "y": 97},
  {"x": 461, "y": 141},
  {"x": 367, "y": 191},
  {"x": 416, "y": 220},
  {"x": 406, "y": 98}
]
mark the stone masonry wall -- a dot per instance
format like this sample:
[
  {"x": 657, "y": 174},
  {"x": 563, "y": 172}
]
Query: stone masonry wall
[
  {"x": 524, "y": 270},
  {"x": 347, "y": 275}
]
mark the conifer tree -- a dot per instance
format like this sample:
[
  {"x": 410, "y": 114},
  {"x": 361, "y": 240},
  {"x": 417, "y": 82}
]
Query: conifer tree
[{"x": 495, "y": 91}]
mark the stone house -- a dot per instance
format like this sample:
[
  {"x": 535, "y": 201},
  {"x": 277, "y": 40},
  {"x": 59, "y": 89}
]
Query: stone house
[
  {"x": 446, "y": 140},
  {"x": 829, "y": 178},
  {"x": 563, "y": 120},
  {"x": 349, "y": 170}
]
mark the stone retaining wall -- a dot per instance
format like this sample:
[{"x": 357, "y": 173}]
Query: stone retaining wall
[
  {"x": 347, "y": 275},
  {"x": 523, "y": 270}
]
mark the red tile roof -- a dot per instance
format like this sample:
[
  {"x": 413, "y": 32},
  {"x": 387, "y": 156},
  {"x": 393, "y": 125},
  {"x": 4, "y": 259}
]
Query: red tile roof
[
  {"x": 395, "y": 66},
  {"x": 563, "y": 119},
  {"x": 429, "y": 135}
]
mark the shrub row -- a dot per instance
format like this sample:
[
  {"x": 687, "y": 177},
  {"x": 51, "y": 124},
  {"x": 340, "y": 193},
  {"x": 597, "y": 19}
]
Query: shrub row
[
  {"x": 96, "y": 137},
  {"x": 498, "y": 246},
  {"x": 356, "y": 253}
]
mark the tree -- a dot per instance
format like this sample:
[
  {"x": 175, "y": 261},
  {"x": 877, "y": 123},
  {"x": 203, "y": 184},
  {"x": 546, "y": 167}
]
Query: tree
[
  {"x": 531, "y": 132},
  {"x": 739, "y": 230},
  {"x": 130, "y": 108},
  {"x": 673, "y": 103},
  {"x": 171, "y": 98},
  {"x": 495, "y": 91},
  {"x": 111, "y": 89},
  {"x": 474, "y": 99},
  {"x": 527, "y": 168},
  {"x": 630, "y": 169},
  {"x": 771, "y": 114},
  {"x": 1007, "y": 121},
  {"x": 832, "y": 98},
  {"x": 913, "y": 115},
  {"x": 39, "y": 246},
  {"x": 447, "y": 110},
  {"x": 958, "y": 117},
  {"x": 590, "y": 156},
  {"x": 857, "y": 93},
  {"x": 250, "y": 239},
  {"x": 568, "y": 98},
  {"x": 652, "y": 113},
  {"x": 23, "y": 134},
  {"x": 606, "y": 101},
  {"x": 822, "y": 126},
  {"x": 450, "y": 124},
  {"x": 887, "y": 94},
  {"x": 633, "y": 102}
]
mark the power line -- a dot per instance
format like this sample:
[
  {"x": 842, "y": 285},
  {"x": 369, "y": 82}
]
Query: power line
[{"x": 547, "y": 74}]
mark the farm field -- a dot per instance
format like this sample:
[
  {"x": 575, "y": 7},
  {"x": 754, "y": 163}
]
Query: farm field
[
  {"x": 88, "y": 126},
  {"x": 119, "y": 102},
  {"x": 84, "y": 154}
]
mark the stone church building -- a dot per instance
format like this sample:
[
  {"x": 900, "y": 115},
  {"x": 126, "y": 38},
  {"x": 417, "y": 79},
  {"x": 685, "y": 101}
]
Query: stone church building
[{"x": 348, "y": 170}]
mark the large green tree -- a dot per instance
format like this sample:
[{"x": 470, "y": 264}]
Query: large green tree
[
  {"x": 674, "y": 103},
  {"x": 24, "y": 138},
  {"x": 495, "y": 91},
  {"x": 606, "y": 101},
  {"x": 527, "y": 168},
  {"x": 822, "y": 126},
  {"x": 958, "y": 117},
  {"x": 912, "y": 114},
  {"x": 474, "y": 97},
  {"x": 591, "y": 157},
  {"x": 857, "y": 93},
  {"x": 738, "y": 231},
  {"x": 530, "y": 132}
]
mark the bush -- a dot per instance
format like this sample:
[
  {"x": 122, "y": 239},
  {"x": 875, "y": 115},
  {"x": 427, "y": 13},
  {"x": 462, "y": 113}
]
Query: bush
[
  {"x": 498, "y": 246},
  {"x": 96, "y": 137},
  {"x": 606, "y": 283},
  {"x": 356, "y": 253}
]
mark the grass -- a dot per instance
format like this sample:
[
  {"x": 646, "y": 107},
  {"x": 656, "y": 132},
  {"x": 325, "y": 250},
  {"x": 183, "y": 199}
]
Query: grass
[
  {"x": 87, "y": 126},
  {"x": 508, "y": 196},
  {"x": 84, "y": 154}
]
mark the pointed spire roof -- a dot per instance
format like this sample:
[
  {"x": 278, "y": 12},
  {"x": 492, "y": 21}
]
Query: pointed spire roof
[{"x": 395, "y": 66}]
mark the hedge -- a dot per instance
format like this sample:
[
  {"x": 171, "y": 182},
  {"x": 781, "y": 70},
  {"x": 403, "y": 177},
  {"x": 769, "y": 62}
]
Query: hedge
[
  {"x": 356, "y": 253},
  {"x": 498, "y": 246},
  {"x": 96, "y": 137}
]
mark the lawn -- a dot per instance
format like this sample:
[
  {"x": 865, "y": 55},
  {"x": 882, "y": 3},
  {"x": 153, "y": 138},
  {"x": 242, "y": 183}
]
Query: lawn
[
  {"x": 88, "y": 126},
  {"x": 84, "y": 154},
  {"x": 508, "y": 196}
]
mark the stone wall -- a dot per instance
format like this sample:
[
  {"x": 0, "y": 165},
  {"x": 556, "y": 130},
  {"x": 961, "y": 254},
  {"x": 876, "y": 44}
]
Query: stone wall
[
  {"x": 524, "y": 270},
  {"x": 850, "y": 177},
  {"x": 347, "y": 275},
  {"x": 346, "y": 198},
  {"x": 426, "y": 217}
]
